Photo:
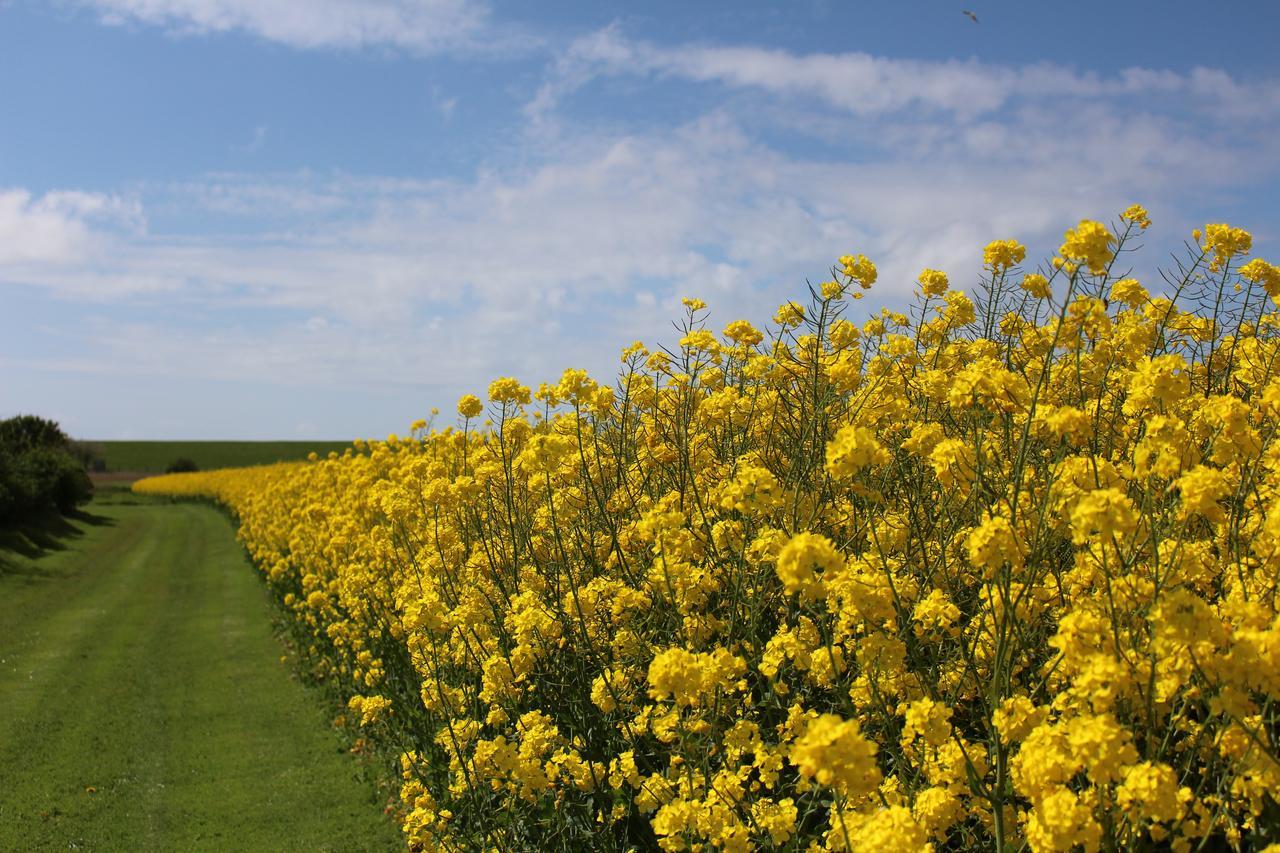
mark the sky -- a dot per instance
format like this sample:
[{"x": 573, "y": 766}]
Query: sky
[{"x": 280, "y": 219}]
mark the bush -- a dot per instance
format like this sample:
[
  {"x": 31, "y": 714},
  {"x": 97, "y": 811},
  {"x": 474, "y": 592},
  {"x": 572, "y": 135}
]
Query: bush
[
  {"x": 8, "y": 498},
  {"x": 182, "y": 465},
  {"x": 40, "y": 469},
  {"x": 71, "y": 485},
  {"x": 26, "y": 432}
]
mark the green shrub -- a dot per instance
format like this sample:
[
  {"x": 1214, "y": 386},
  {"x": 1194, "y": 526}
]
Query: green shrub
[
  {"x": 25, "y": 432},
  {"x": 41, "y": 469}
]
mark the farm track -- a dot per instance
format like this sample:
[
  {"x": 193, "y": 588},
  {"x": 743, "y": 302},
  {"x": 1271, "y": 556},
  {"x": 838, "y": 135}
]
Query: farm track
[{"x": 144, "y": 705}]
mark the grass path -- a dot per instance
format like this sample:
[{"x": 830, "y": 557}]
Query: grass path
[{"x": 139, "y": 662}]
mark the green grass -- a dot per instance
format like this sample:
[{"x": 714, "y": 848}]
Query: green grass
[
  {"x": 137, "y": 659},
  {"x": 156, "y": 456}
]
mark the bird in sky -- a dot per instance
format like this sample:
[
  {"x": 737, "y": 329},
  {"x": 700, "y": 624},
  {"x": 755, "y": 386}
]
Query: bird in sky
[{"x": 972, "y": 16}]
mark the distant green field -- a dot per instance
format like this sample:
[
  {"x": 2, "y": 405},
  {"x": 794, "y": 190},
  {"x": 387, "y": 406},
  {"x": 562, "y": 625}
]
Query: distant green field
[{"x": 156, "y": 456}]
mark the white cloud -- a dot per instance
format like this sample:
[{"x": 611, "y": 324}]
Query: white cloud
[
  {"x": 340, "y": 281},
  {"x": 415, "y": 25},
  {"x": 449, "y": 283},
  {"x": 865, "y": 85},
  {"x": 57, "y": 228}
]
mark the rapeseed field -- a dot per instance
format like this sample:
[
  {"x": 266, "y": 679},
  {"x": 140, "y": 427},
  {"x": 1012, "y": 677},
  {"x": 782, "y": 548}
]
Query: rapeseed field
[{"x": 996, "y": 572}]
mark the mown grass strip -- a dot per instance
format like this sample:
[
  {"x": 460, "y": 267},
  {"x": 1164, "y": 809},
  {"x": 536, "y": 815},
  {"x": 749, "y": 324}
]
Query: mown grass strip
[{"x": 145, "y": 705}]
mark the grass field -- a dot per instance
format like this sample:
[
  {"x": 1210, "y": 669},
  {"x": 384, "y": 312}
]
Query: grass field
[
  {"x": 156, "y": 456},
  {"x": 145, "y": 703}
]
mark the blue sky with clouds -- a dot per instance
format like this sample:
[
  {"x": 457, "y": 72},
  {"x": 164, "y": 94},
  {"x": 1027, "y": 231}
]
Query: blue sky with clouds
[{"x": 320, "y": 218}]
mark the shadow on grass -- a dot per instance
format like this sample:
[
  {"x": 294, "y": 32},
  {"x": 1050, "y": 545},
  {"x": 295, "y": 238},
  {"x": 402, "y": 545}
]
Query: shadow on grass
[
  {"x": 34, "y": 536},
  {"x": 14, "y": 568},
  {"x": 86, "y": 517}
]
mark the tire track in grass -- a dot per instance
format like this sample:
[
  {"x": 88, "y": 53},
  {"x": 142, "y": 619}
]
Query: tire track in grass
[{"x": 144, "y": 668}]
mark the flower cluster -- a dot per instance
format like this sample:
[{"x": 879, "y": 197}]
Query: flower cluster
[{"x": 998, "y": 572}]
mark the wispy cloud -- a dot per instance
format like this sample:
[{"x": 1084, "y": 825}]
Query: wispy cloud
[
  {"x": 865, "y": 85},
  {"x": 420, "y": 26},
  {"x": 391, "y": 281},
  {"x": 256, "y": 141},
  {"x": 445, "y": 104},
  {"x": 587, "y": 243}
]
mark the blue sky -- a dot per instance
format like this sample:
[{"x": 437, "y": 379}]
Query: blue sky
[{"x": 320, "y": 218}]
